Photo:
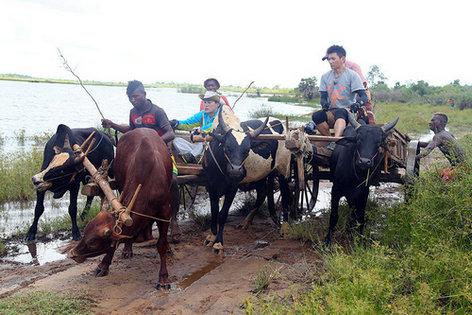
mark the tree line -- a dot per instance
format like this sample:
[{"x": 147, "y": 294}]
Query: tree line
[{"x": 453, "y": 94}]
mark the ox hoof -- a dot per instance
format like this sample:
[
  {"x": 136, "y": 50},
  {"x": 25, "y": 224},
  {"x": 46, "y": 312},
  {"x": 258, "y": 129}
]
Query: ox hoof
[
  {"x": 210, "y": 239},
  {"x": 163, "y": 286},
  {"x": 126, "y": 254},
  {"x": 218, "y": 248},
  {"x": 76, "y": 235},
  {"x": 101, "y": 271}
]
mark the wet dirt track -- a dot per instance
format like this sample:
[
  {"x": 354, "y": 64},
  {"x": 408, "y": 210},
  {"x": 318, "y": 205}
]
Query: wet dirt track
[{"x": 203, "y": 282}]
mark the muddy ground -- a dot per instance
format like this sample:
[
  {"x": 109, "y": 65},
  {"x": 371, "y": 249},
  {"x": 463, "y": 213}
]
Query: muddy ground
[{"x": 203, "y": 282}]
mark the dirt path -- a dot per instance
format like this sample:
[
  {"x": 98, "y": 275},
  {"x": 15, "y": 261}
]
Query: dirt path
[{"x": 204, "y": 283}]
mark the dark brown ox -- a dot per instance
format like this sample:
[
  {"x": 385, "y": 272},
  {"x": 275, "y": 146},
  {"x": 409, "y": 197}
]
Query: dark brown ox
[{"x": 141, "y": 158}]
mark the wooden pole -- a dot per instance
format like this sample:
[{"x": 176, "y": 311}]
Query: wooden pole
[{"x": 107, "y": 191}]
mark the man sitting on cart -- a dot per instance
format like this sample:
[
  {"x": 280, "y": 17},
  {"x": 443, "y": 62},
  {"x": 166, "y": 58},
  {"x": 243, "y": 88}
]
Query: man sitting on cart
[
  {"x": 204, "y": 119},
  {"x": 338, "y": 89}
]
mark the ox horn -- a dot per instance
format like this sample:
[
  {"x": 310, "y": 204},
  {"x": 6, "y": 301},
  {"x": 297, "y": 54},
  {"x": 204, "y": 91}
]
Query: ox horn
[
  {"x": 221, "y": 121},
  {"x": 389, "y": 126},
  {"x": 106, "y": 232},
  {"x": 254, "y": 133},
  {"x": 353, "y": 120},
  {"x": 66, "y": 142}
]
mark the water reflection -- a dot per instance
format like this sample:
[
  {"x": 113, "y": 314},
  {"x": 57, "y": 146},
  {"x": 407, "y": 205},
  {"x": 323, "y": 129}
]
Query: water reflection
[{"x": 36, "y": 253}]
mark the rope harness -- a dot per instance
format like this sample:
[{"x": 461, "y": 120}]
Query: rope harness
[{"x": 369, "y": 174}]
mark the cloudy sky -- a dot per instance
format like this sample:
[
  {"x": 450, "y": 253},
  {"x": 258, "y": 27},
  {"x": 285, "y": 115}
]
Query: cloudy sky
[{"x": 270, "y": 42}]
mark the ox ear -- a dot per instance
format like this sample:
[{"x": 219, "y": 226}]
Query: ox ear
[
  {"x": 57, "y": 149},
  {"x": 346, "y": 140}
]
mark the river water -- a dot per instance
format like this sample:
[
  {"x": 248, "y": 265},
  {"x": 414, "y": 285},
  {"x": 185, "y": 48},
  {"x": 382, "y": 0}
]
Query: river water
[{"x": 40, "y": 107}]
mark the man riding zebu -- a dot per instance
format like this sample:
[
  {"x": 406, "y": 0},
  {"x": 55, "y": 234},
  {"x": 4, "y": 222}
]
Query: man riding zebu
[{"x": 145, "y": 114}]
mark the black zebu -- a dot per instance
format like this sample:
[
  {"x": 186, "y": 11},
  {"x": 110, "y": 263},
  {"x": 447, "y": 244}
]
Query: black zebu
[
  {"x": 61, "y": 171},
  {"x": 235, "y": 159},
  {"x": 355, "y": 165}
]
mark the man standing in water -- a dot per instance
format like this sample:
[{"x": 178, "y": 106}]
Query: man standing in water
[
  {"x": 145, "y": 114},
  {"x": 444, "y": 140}
]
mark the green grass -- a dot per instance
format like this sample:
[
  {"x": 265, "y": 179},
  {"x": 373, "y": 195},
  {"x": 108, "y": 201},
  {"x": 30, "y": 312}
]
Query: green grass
[
  {"x": 46, "y": 302},
  {"x": 263, "y": 278},
  {"x": 414, "y": 118},
  {"x": 16, "y": 170},
  {"x": 193, "y": 89},
  {"x": 265, "y": 111},
  {"x": 418, "y": 260},
  {"x": 285, "y": 98}
]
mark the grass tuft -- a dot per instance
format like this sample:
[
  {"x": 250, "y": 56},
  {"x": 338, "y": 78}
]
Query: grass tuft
[{"x": 46, "y": 302}]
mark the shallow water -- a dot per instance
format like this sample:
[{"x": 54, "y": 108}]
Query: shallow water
[{"x": 35, "y": 253}]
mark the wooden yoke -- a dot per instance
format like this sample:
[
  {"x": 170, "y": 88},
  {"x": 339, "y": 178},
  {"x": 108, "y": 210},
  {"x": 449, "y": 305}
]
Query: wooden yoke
[{"x": 103, "y": 183}]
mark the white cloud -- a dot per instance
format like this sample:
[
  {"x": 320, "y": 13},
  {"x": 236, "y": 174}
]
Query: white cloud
[{"x": 271, "y": 42}]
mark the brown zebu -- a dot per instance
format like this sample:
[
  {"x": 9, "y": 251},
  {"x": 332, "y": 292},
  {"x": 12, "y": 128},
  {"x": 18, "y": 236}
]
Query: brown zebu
[{"x": 141, "y": 158}]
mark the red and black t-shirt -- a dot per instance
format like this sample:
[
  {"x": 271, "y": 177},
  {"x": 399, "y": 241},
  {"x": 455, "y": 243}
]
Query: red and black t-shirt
[{"x": 154, "y": 117}]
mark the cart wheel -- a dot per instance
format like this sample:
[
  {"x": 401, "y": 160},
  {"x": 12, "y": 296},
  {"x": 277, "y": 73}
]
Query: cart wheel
[
  {"x": 412, "y": 164},
  {"x": 305, "y": 200}
]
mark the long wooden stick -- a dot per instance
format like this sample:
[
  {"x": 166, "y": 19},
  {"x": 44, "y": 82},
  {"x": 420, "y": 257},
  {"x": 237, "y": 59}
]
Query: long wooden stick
[
  {"x": 68, "y": 68},
  {"x": 242, "y": 94}
]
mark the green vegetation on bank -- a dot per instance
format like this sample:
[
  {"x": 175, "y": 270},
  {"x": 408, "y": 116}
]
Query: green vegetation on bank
[
  {"x": 46, "y": 302},
  {"x": 417, "y": 262},
  {"x": 414, "y": 118},
  {"x": 16, "y": 170},
  {"x": 181, "y": 87}
]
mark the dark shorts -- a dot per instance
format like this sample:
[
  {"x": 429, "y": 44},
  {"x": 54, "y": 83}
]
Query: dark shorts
[{"x": 321, "y": 115}]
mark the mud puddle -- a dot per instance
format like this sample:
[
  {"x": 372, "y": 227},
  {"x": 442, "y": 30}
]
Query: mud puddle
[
  {"x": 189, "y": 279},
  {"x": 34, "y": 253}
]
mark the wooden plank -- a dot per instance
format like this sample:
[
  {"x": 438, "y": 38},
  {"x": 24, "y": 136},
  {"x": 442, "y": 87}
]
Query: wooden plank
[{"x": 189, "y": 169}]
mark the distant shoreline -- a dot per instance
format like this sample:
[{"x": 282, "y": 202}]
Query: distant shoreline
[{"x": 229, "y": 88}]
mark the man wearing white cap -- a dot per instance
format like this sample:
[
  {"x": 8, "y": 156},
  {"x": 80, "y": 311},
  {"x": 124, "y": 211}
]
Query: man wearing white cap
[{"x": 204, "y": 118}]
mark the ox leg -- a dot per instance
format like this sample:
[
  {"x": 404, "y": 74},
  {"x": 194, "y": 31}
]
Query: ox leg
[
  {"x": 261, "y": 195},
  {"x": 104, "y": 266},
  {"x": 215, "y": 209},
  {"x": 127, "y": 250},
  {"x": 38, "y": 211},
  {"x": 359, "y": 213},
  {"x": 286, "y": 197},
  {"x": 175, "y": 203},
  {"x": 270, "y": 199},
  {"x": 162, "y": 248},
  {"x": 222, "y": 217},
  {"x": 333, "y": 217},
  {"x": 74, "y": 192},
  {"x": 88, "y": 204}
]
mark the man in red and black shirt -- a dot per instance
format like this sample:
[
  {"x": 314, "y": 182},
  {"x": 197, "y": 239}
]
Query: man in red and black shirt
[{"x": 145, "y": 114}]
